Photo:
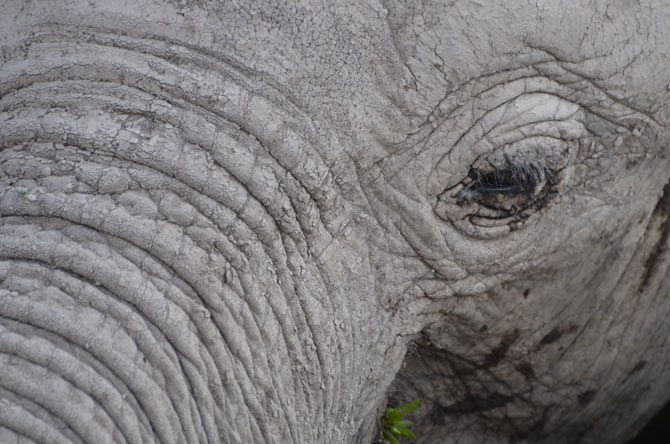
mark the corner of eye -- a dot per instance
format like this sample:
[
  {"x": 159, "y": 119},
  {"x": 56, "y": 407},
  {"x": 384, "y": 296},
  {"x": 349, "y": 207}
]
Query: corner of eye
[
  {"x": 436, "y": 183},
  {"x": 433, "y": 186}
]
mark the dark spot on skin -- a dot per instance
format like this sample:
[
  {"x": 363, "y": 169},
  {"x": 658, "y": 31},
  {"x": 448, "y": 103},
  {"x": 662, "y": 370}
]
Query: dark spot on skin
[
  {"x": 662, "y": 211},
  {"x": 586, "y": 397},
  {"x": 551, "y": 337},
  {"x": 554, "y": 335},
  {"x": 498, "y": 353},
  {"x": 639, "y": 366},
  {"x": 526, "y": 370},
  {"x": 526, "y": 292}
]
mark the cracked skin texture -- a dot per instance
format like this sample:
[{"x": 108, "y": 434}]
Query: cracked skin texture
[{"x": 227, "y": 221}]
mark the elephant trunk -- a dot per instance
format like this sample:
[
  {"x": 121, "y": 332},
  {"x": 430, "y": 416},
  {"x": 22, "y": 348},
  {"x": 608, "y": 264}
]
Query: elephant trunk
[{"x": 162, "y": 252}]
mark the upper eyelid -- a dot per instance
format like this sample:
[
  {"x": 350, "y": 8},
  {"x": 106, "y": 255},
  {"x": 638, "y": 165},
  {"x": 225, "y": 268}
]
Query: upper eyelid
[
  {"x": 473, "y": 121},
  {"x": 482, "y": 135}
]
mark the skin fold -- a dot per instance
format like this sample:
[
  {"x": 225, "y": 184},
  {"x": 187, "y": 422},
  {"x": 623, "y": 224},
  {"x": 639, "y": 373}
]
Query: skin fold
[{"x": 256, "y": 222}]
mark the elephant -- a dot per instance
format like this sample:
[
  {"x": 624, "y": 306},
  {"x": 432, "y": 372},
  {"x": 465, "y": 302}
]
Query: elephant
[{"x": 263, "y": 222}]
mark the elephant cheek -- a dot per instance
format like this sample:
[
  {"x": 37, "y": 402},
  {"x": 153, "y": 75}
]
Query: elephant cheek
[{"x": 578, "y": 356}]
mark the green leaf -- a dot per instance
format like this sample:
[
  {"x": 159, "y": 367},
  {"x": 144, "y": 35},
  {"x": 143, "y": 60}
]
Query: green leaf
[
  {"x": 392, "y": 416},
  {"x": 390, "y": 437},
  {"x": 393, "y": 426},
  {"x": 404, "y": 431},
  {"x": 408, "y": 407}
]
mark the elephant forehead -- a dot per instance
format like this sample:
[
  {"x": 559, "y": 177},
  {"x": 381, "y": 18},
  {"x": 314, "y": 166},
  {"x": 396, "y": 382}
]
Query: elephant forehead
[{"x": 443, "y": 45}]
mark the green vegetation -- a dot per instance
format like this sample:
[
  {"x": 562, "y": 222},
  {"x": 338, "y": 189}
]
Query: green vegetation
[{"x": 393, "y": 426}]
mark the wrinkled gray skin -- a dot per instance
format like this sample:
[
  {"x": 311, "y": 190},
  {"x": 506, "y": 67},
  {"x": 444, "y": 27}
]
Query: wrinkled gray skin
[{"x": 254, "y": 224}]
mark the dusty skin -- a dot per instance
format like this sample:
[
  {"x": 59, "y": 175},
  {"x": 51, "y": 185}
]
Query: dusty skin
[{"x": 253, "y": 222}]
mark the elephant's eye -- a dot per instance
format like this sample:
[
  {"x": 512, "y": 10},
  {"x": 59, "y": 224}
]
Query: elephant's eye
[
  {"x": 512, "y": 163},
  {"x": 503, "y": 181},
  {"x": 507, "y": 191},
  {"x": 500, "y": 192}
]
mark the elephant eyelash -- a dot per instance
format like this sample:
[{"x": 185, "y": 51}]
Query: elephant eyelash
[
  {"x": 512, "y": 179},
  {"x": 509, "y": 190}
]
